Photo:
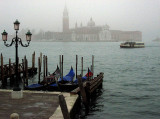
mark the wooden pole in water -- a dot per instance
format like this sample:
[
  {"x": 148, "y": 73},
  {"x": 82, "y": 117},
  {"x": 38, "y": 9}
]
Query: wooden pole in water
[
  {"x": 2, "y": 72},
  {"x": 10, "y": 71},
  {"x": 62, "y": 67},
  {"x": 46, "y": 66},
  {"x": 24, "y": 73},
  {"x": 82, "y": 66},
  {"x": 88, "y": 73},
  {"x": 33, "y": 60},
  {"x": 83, "y": 93},
  {"x": 63, "y": 106},
  {"x": 41, "y": 59},
  {"x": 19, "y": 69},
  {"x": 10, "y": 67},
  {"x": 26, "y": 62},
  {"x": 44, "y": 57},
  {"x": 76, "y": 64},
  {"x": 23, "y": 68},
  {"x": 93, "y": 65},
  {"x": 39, "y": 70}
]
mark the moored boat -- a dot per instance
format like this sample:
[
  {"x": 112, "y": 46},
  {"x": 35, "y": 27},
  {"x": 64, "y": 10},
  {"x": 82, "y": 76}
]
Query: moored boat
[
  {"x": 132, "y": 45},
  {"x": 72, "y": 85},
  {"x": 44, "y": 83},
  {"x": 66, "y": 79}
]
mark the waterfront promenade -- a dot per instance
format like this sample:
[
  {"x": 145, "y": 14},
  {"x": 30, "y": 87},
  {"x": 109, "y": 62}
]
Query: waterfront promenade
[{"x": 34, "y": 105}]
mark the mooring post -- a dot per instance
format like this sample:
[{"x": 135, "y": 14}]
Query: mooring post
[
  {"x": 46, "y": 66},
  {"x": 10, "y": 72},
  {"x": 62, "y": 68},
  {"x": 63, "y": 106},
  {"x": 83, "y": 93},
  {"x": 23, "y": 68},
  {"x": 24, "y": 72},
  {"x": 76, "y": 64},
  {"x": 41, "y": 59},
  {"x": 19, "y": 70},
  {"x": 26, "y": 62},
  {"x": 39, "y": 70},
  {"x": 82, "y": 66},
  {"x": 2, "y": 72},
  {"x": 93, "y": 65},
  {"x": 88, "y": 74},
  {"x": 9, "y": 67},
  {"x": 33, "y": 60}
]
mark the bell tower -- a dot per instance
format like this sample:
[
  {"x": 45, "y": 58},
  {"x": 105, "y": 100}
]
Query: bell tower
[{"x": 65, "y": 20}]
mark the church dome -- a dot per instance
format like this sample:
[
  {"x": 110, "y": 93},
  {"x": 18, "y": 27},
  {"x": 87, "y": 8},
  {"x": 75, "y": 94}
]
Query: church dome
[
  {"x": 106, "y": 27},
  {"x": 91, "y": 23}
]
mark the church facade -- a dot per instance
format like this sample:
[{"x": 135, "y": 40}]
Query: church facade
[{"x": 91, "y": 32}]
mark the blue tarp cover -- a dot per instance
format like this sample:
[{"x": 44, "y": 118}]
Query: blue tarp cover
[
  {"x": 54, "y": 85},
  {"x": 69, "y": 77},
  {"x": 34, "y": 86},
  {"x": 84, "y": 78}
]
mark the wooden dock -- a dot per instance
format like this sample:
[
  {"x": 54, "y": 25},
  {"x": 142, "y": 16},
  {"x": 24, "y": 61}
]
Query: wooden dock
[{"x": 91, "y": 85}]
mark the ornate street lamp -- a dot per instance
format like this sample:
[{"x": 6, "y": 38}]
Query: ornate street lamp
[{"x": 15, "y": 41}]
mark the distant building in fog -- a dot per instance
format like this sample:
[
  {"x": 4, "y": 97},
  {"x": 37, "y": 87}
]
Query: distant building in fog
[
  {"x": 91, "y": 32},
  {"x": 118, "y": 35}
]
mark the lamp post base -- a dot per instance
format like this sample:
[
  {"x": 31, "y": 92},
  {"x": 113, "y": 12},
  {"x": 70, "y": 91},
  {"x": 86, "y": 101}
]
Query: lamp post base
[{"x": 17, "y": 94}]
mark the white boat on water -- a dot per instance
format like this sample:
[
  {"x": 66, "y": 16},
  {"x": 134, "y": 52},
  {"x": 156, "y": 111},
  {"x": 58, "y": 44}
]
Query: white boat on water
[{"x": 132, "y": 45}]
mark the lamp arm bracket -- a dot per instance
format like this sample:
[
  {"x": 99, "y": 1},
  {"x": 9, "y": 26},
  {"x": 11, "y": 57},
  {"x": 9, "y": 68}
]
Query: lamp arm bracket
[
  {"x": 23, "y": 45},
  {"x": 8, "y": 45}
]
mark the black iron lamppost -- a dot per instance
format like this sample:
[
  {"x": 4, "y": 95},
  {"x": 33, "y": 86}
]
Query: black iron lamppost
[{"x": 15, "y": 41}]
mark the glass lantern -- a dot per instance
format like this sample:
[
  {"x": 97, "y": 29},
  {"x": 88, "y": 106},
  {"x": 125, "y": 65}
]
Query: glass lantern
[
  {"x": 4, "y": 35},
  {"x": 28, "y": 35},
  {"x": 16, "y": 25}
]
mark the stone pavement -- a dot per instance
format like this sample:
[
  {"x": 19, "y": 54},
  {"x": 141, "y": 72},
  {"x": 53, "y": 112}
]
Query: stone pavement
[{"x": 33, "y": 105}]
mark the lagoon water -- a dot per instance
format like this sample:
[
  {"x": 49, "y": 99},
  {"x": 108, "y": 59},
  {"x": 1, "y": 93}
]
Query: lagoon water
[{"x": 131, "y": 87}]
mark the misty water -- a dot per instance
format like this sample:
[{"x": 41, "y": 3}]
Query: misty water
[{"x": 131, "y": 82}]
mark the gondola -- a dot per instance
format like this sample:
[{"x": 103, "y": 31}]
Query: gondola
[
  {"x": 44, "y": 83},
  {"x": 66, "y": 79},
  {"x": 67, "y": 87}
]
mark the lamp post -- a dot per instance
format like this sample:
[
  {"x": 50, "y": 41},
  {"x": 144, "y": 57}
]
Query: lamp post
[{"x": 15, "y": 41}]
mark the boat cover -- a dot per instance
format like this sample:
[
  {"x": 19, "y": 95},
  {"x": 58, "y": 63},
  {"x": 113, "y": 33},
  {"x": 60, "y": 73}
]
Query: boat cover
[
  {"x": 34, "y": 86},
  {"x": 69, "y": 77},
  {"x": 54, "y": 85}
]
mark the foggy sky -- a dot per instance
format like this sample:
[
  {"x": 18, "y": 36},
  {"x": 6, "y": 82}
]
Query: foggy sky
[{"x": 142, "y": 15}]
